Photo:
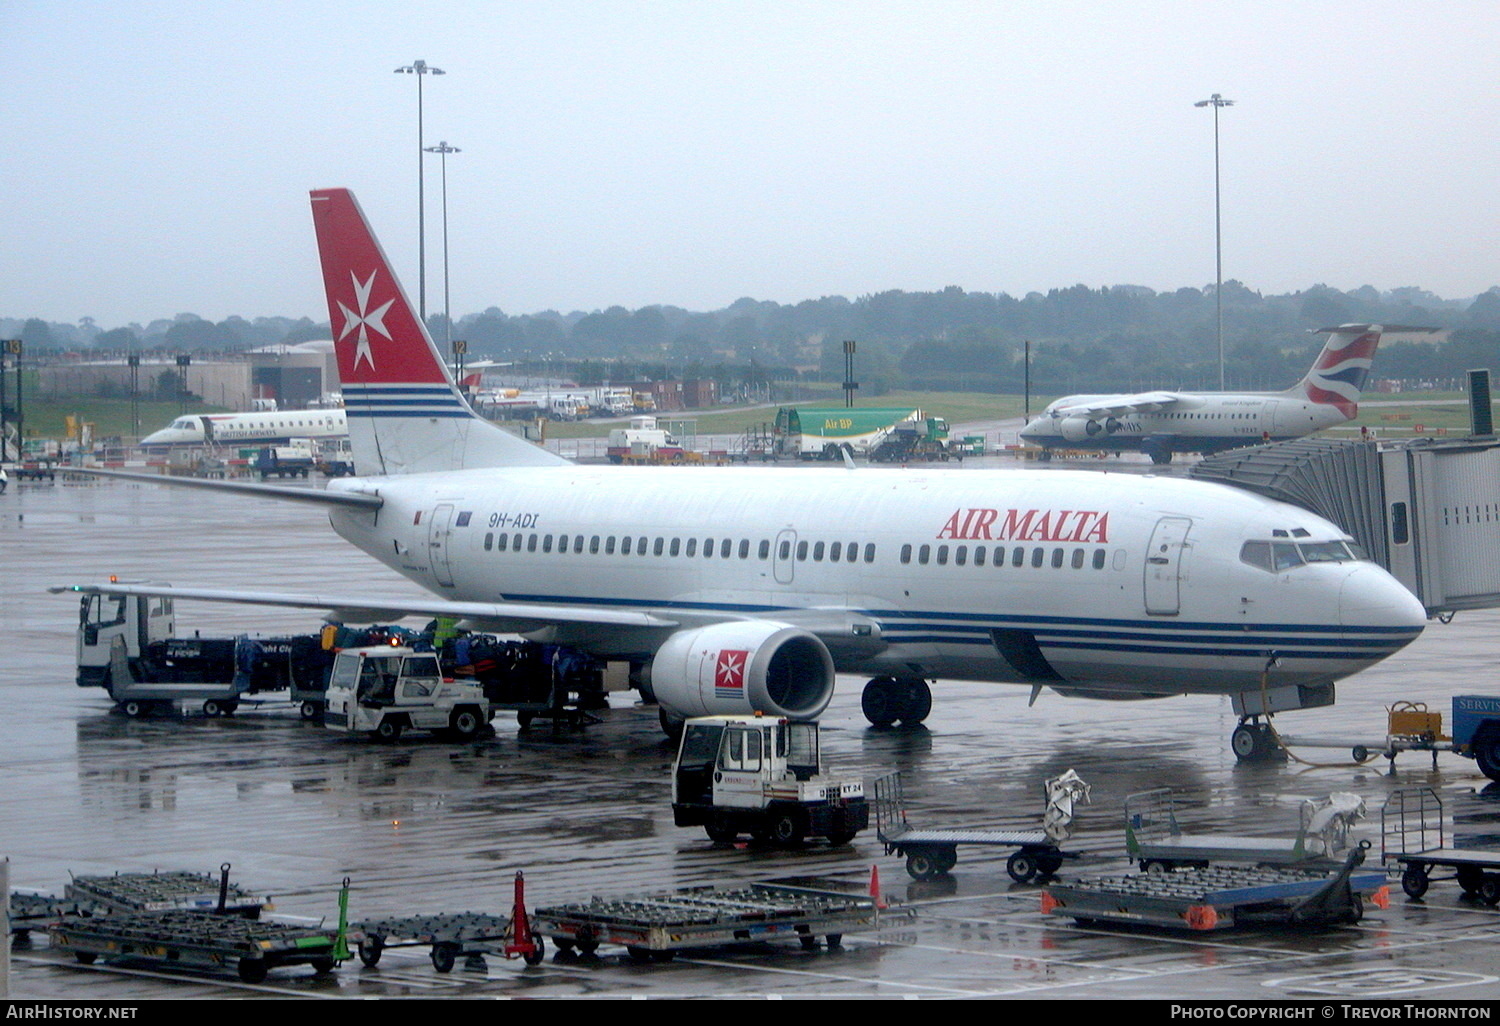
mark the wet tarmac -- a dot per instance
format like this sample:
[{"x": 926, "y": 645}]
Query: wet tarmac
[{"x": 428, "y": 826}]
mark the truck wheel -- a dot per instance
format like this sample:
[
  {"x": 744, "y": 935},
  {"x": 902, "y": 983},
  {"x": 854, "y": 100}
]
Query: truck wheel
[
  {"x": 311, "y": 711},
  {"x": 1489, "y": 889},
  {"x": 389, "y": 730},
  {"x": 786, "y": 830},
  {"x": 464, "y": 724},
  {"x": 133, "y": 709},
  {"x": 720, "y": 832},
  {"x": 841, "y": 837},
  {"x": 212, "y": 708},
  {"x": 1487, "y": 752}
]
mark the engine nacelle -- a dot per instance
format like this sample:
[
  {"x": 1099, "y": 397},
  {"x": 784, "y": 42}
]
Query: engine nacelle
[
  {"x": 1080, "y": 429},
  {"x": 743, "y": 667}
]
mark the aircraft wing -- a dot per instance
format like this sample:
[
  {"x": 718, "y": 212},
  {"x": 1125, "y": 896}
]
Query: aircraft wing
[
  {"x": 313, "y": 496},
  {"x": 502, "y": 617},
  {"x": 1114, "y": 405}
]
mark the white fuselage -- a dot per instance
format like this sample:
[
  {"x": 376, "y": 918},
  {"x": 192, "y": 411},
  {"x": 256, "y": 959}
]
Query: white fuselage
[
  {"x": 251, "y": 428},
  {"x": 1201, "y": 423},
  {"x": 1113, "y": 583}
]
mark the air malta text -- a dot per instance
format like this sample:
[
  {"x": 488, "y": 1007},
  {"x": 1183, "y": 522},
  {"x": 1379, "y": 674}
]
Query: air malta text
[{"x": 1049, "y": 525}]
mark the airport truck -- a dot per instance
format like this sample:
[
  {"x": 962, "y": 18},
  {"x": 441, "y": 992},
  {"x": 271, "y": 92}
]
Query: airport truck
[
  {"x": 762, "y": 775},
  {"x": 295, "y": 460},
  {"x": 1476, "y": 731},
  {"x": 815, "y": 433},
  {"x": 912, "y": 440},
  {"x": 384, "y": 691},
  {"x": 128, "y": 645}
]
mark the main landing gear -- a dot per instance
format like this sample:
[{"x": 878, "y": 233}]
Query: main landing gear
[{"x": 888, "y": 700}]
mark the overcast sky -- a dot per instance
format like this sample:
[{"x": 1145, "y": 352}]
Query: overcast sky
[{"x": 156, "y": 156}]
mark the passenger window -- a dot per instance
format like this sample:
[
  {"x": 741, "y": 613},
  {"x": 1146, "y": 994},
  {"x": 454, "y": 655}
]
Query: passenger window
[
  {"x": 1018, "y": 556},
  {"x": 656, "y": 548},
  {"x": 960, "y": 555},
  {"x": 1038, "y": 556},
  {"x": 1077, "y": 559},
  {"x": 1098, "y": 559},
  {"x": 692, "y": 547},
  {"x": 764, "y": 550},
  {"x": 640, "y": 546},
  {"x": 724, "y": 548},
  {"x": 489, "y": 540},
  {"x": 979, "y": 551},
  {"x": 942, "y": 554},
  {"x": 676, "y": 544},
  {"x": 784, "y": 550},
  {"x": 708, "y": 548},
  {"x": 802, "y": 552},
  {"x": 531, "y": 543},
  {"x": 546, "y": 543},
  {"x": 625, "y": 545},
  {"x": 906, "y": 554},
  {"x": 1057, "y": 559},
  {"x": 594, "y": 545},
  {"x": 744, "y": 548},
  {"x": 817, "y": 552},
  {"x": 869, "y": 552},
  {"x": 923, "y": 554},
  {"x": 835, "y": 550},
  {"x": 609, "y": 545}
]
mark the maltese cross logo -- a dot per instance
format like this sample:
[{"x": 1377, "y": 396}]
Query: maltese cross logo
[
  {"x": 729, "y": 671},
  {"x": 365, "y": 319}
]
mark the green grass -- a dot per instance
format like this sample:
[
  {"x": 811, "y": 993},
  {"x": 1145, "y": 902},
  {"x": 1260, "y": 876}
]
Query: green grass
[{"x": 47, "y": 418}]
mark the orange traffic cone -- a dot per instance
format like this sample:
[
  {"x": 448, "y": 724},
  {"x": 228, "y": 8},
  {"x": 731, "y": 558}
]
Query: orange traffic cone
[{"x": 875, "y": 886}]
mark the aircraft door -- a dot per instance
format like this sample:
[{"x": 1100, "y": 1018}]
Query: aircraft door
[
  {"x": 784, "y": 557},
  {"x": 1164, "y": 565},
  {"x": 439, "y": 530}
]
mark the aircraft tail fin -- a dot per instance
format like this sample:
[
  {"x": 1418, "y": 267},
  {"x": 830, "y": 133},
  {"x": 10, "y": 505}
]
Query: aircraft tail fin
[
  {"x": 1339, "y": 373},
  {"x": 405, "y": 413}
]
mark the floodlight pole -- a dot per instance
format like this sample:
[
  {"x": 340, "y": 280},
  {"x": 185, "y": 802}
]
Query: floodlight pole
[
  {"x": 1216, "y": 101},
  {"x": 443, "y": 149},
  {"x": 420, "y": 68}
]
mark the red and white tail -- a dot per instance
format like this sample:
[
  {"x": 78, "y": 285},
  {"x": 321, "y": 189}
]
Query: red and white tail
[
  {"x": 1338, "y": 375},
  {"x": 405, "y": 413}
]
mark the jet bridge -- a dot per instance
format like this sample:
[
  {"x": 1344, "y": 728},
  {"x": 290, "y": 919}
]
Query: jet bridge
[{"x": 1427, "y": 510}]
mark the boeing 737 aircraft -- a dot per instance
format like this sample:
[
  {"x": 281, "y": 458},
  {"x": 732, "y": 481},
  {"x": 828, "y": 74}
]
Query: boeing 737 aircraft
[
  {"x": 250, "y": 428},
  {"x": 1161, "y": 423},
  {"x": 742, "y": 589}
]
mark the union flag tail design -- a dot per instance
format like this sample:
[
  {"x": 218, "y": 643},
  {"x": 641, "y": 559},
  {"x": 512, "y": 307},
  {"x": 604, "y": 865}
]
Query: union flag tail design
[
  {"x": 405, "y": 413},
  {"x": 1338, "y": 375}
]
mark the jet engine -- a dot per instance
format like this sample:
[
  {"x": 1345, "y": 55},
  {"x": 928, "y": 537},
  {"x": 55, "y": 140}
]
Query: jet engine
[
  {"x": 743, "y": 667},
  {"x": 1080, "y": 429}
]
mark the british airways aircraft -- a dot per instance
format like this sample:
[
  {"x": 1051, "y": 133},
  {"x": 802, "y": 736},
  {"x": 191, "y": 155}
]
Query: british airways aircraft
[
  {"x": 1161, "y": 423},
  {"x": 736, "y": 589},
  {"x": 250, "y": 428}
]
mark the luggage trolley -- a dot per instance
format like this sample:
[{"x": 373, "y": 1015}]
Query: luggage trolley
[
  {"x": 1412, "y": 836},
  {"x": 931, "y": 853}
]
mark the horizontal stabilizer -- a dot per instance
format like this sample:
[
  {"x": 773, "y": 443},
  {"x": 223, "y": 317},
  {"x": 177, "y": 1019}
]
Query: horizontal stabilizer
[{"x": 316, "y": 496}]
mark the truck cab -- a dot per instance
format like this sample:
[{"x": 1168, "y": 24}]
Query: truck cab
[
  {"x": 383, "y": 691},
  {"x": 764, "y": 776},
  {"x": 137, "y": 620}
]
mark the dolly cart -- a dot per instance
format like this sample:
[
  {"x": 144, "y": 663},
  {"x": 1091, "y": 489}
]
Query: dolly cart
[
  {"x": 454, "y": 934},
  {"x": 934, "y": 852},
  {"x": 1155, "y": 839},
  {"x": 656, "y": 927},
  {"x": 1411, "y": 835},
  {"x": 1220, "y": 897}
]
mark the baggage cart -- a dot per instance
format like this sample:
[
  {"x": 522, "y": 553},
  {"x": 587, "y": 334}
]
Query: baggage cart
[
  {"x": 1155, "y": 839},
  {"x": 1412, "y": 836},
  {"x": 452, "y": 934},
  {"x": 160, "y": 892},
  {"x": 933, "y": 852},
  {"x": 656, "y": 927},
  {"x": 189, "y": 937},
  {"x": 1221, "y": 897}
]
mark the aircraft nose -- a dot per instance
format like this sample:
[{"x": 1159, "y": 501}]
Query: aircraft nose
[{"x": 1370, "y": 597}]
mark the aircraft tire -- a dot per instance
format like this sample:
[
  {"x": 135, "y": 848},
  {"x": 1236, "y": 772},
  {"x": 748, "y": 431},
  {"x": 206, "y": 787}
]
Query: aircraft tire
[
  {"x": 881, "y": 702},
  {"x": 916, "y": 702}
]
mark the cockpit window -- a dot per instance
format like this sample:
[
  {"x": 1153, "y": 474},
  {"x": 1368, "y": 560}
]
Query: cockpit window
[
  {"x": 1277, "y": 556},
  {"x": 1326, "y": 552}
]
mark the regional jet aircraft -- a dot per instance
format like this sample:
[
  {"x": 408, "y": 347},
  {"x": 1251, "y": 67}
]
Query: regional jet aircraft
[
  {"x": 250, "y": 428},
  {"x": 1161, "y": 423},
  {"x": 735, "y": 589}
]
